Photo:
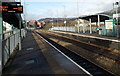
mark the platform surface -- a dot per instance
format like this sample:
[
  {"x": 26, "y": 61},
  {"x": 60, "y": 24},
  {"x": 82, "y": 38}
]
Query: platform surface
[
  {"x": 38, "y": 57},
  {"x": 87, "y": 35}
]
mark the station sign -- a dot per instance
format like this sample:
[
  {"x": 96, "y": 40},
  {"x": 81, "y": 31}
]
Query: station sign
[
  {"x": 116, "y": 15},
  {"x": 11, "y": 7},
  {"x": 109, "y": 24}
]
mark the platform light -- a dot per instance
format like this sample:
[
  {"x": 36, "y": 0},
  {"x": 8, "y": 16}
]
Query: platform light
[{"x": 116, "y": 20}]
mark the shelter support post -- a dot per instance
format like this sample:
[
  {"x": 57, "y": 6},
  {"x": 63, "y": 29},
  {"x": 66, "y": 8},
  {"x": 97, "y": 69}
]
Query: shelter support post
[
  {"x": 90, "y": 26},
  {"x": 20, "y": 36},
  {"x": 99, "y": 25},
  {"x": 1, "y": 38},
  {"x": 1, "y": 45}
]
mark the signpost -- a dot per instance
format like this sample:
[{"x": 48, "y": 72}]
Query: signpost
[
  {"x": 109, "y": 24},
  {"x": 116, "y": 15},
  {"x": 110, "y": 28}
]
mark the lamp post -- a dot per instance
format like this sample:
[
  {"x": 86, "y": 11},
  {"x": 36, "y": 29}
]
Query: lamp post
[
  {"x": 77, "y": 8},
  {"x": 57, "y": 20},
  {"x": 52, "y": 23},
  {"x": 52, "y": 20},
  {"x": 117, "y": 5},
  {"x": 65, "y": 22},
  {"x": 25, "y": 12},
  {"x": 78, "y": 22},
  {"x": 78, "y": 18}
]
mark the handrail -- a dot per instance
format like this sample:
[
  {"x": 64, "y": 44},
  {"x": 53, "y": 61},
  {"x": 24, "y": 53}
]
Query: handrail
[
  {"x": 9, "y": 45},
  {"x": 10, "y": 36},
  {"x": 16, "y": 30}
]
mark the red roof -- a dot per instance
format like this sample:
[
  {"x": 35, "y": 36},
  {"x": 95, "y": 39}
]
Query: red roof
[{"x": 32, "y": 20}]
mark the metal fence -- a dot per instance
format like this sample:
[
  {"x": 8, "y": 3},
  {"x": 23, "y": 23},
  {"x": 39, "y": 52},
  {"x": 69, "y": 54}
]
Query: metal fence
[
  {"x": 81, "y": 29},
  {"x": 9, "y": 44},
  {"x": 75, "y": 29},
  {"x": 86, "y": 29}
]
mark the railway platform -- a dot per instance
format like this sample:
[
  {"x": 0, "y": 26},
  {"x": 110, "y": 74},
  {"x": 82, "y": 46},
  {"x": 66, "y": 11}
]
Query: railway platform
[
  {"x": 37, "y": 57},
  {"x": 106, "y": 41},
  {"x": 94, "y": 35}
]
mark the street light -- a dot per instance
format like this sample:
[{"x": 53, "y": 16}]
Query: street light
[
  {"x": 117, "y": 5},
  {"x": 52, "y": 19},
  {"x": 57, "y": 19},
  {"x": 65, "y": 22},
  {"x": 25, "y": 12},
  {"x": 52, "y": 23},
  {"x": 77, "y": 8}
]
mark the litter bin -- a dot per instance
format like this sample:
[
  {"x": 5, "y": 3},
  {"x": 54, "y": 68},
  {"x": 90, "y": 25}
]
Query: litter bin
[{"x": 100, "y": 31}]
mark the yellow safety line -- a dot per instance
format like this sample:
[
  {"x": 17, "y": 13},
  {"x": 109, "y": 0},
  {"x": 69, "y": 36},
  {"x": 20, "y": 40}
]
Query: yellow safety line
[{"x": 53, "y": 63}]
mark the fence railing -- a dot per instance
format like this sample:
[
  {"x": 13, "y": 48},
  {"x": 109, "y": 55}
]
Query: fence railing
[
  {"x": 75, "y": 29},
  {"x": 81, "y": 29},
  {"x": 9, "y": 44}
]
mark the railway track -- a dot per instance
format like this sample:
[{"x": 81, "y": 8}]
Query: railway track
[
  {"x": 93, "y": 69},
  {"x": 115, "y": 51},
  {"x": 92, "y": 47}
]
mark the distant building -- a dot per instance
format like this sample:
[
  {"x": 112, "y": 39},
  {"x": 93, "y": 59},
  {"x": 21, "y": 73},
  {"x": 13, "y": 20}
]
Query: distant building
[
  {"x": 39, "y": 25},
  {"x": 32, "y": 23},
  {"x": 36, "y": 24}
]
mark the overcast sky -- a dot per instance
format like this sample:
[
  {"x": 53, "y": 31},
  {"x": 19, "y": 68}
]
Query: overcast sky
[{"x": 37, "y": 9}]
